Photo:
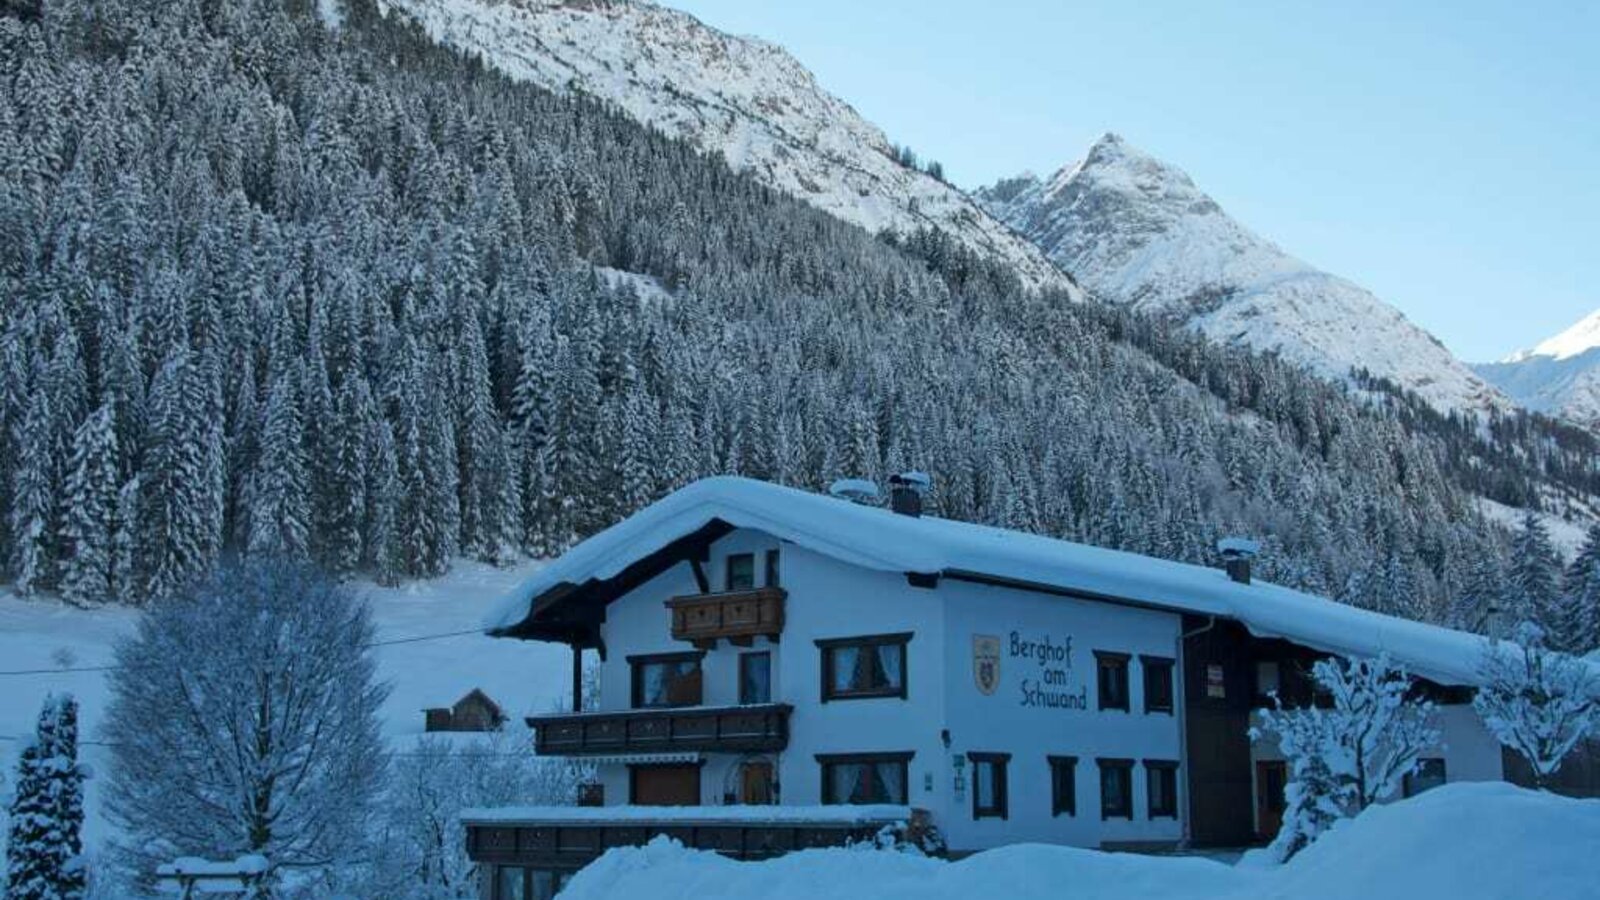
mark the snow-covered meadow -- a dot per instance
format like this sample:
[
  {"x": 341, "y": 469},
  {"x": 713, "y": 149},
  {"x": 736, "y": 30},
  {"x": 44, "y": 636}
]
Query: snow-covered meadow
[
  {"x": 1487, "y": 841},
  {"x": 44, "y": 637}
]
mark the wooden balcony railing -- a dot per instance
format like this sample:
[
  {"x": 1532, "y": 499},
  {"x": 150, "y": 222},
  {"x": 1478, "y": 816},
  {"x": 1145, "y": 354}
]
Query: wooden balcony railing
[
  {"x": 738, "y": 616},
  {"x": 553, "y": 842},
  {"x": 723, "y": 729}
]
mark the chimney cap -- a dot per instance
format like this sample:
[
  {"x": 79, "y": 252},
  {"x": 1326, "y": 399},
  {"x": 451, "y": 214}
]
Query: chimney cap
[
  {"x": 918, "y": 481},
  {"x": 1238, "y": 548},
  {"x": 856, "y": 490}
]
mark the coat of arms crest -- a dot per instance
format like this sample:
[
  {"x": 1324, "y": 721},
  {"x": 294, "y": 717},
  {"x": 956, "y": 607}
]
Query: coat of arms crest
[{"x": 986, "y": 663}]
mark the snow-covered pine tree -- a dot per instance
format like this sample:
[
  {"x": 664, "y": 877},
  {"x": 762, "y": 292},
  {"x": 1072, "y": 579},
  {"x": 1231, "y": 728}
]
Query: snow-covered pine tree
[
  {"x": 90, "y": 526},
  {"x": 381, "y": 540},
  {"x": 346, "y": 475},
  {"x": 1581, "y": 598},
  {"x": 280, "y": 501},
  {"x": 45, "y": 842},
  {"x": 1313, "y": 796},
  {"x": 1538, "y": 702},
  {"x": 1534, "y": 576},
  {"x": 171, "y": 507},
  {"x": 1483, "y": 591},
  {"x": 33, "y": 497}
]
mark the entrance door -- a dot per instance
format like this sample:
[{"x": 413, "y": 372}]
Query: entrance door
[
  {"x": 664, "y": 785},
  {"x": 756, "y": 783},
  {"x": 1271, "y": 776}
]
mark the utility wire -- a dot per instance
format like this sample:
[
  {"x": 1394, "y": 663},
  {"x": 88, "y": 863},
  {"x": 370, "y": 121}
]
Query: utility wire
[{"x": 388, "y": 643}]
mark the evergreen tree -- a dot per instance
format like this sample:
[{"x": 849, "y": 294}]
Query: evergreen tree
[
  {"x": 44, "y": 858},
  {"x": 1579, "y": 623},
  {"x": 1534, "y": 577},
  {"x": 33, "y": 497},
  {"x": 90, "y": 529},
  {"x": 280, "y": 502}
]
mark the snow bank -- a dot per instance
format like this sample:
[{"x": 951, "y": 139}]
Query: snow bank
[{"x": 1463, "y": 842}]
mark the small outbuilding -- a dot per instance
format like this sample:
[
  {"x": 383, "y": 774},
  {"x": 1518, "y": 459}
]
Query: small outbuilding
[{"x": 473, "y": 712}]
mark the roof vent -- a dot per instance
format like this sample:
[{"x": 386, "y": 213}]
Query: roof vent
[
  {"x": 856, "y": 490},
  {"x": 906, "y": 491},
  {"x": 1236, "y": 555}
]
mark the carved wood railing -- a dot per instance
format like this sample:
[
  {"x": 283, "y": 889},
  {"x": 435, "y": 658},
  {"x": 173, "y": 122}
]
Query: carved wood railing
[{"x": 736, "y": 616}]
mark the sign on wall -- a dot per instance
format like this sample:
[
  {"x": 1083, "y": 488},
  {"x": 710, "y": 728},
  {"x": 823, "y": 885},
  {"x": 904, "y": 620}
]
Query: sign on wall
[
  {"x": 1045, "y": 677},
  {"x": 986, "y": 663}
]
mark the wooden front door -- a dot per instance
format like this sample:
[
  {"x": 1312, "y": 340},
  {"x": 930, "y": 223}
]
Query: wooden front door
[
  {"x": 664, "y": 785},
  {"x": 756, "y": 783},
  {"x": 1271, "y": 777}
]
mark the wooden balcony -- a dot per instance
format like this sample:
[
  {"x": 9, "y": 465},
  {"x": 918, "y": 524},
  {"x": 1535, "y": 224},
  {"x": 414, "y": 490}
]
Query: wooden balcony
[
  {"x": 550, "y": 840},
  {"x": 690, "y": 729},
  {"x": 738, "y": 616}
]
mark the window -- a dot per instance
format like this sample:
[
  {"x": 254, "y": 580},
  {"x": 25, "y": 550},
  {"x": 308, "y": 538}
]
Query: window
[
  {"x": 1063, "y": 785},
  {"x": 666, "y": 679},
  {"x": 1157, "y": 684},
  {"x": 755, "y": 678},
  {"x": 1116, "y": 788},
  {"x": 1113, "y": 669},
  {"x": 772, "y": 569},
  {"x": 519, "y": 883},
  {"x": 989, "y": 785},
  {"x": 741, "y": 572},
  {"x": 1429, "y": 775},
  {"x": 511, "y": 883},
  {"x": 858, "y": 668},
  {"x": 864, "y": 777},
  {"x": 1267, "y": 678},
  {"x": 1161, "y": 784}
]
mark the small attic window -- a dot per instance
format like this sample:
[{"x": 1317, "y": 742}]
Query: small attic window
[{"x": 741, "y": 572}]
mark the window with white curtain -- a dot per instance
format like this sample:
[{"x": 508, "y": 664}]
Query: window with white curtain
[{"x": 858, "y": 668}]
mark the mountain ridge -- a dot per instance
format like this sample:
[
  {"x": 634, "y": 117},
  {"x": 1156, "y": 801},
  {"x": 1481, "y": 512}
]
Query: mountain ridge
[
  {"x": 1137, "y": 231},
  {"x": 1559, "y": 376},
  {"x": 746, "y": 98}
]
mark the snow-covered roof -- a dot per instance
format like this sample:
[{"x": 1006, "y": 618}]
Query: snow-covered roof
[{"x": 878, "y": 539}]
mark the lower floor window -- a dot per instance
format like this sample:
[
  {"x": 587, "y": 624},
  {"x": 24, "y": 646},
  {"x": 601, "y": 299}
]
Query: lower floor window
[
  {"x": 864, "y": 777},
  {"x": 989, "y": 784},
  {"x": 1429, "y": 775},
  {"x": 1116, "y": 788},
  {"x": 1161, "y": 782},
  {"x": 521, "y": 883},
  {"x": 1063, "y": 785}
]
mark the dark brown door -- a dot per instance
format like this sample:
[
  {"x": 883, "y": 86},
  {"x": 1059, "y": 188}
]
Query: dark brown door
[
  {"x": 1271, "y": 776},
  {"x": 665, "y": 785},
  {"x": 756, "y": 783}
]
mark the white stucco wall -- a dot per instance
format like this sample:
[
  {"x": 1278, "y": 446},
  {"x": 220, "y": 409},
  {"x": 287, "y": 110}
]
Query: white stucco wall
[
  {"x": 828, "y": 599},
  {"x": 1005, "y": 721}
]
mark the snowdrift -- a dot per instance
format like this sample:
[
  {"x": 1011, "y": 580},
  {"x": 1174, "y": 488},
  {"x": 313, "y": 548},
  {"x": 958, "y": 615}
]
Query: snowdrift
[{"x": 1461, "y": 842}]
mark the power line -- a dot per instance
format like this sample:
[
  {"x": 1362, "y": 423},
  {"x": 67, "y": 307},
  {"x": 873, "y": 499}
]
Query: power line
[{"x": 388, "y": 643}]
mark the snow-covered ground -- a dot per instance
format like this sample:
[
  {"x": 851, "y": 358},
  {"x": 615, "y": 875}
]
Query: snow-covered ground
[
  {"x": 523, "y": 677},
  {"x": 1461, "y": 842}
]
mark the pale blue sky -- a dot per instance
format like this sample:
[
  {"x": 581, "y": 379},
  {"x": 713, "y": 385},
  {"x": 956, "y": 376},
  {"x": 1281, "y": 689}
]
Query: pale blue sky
[{"x": 1445, "y": 155}]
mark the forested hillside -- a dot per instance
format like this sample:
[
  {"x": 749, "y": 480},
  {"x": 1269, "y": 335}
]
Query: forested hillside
[{"x": 272, "y": 288}]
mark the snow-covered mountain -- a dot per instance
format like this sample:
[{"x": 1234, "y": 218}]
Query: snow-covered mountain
[
  {"x": 742, "y": 97},
  {"x": 1135, "y": 230},
  {"x": 1560, "y": 376}
]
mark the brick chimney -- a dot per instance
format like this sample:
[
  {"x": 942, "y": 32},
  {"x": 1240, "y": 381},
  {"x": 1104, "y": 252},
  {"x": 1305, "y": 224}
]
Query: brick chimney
[
  {"x": 1237, "y": 552},
  {"x": 906, "y": 491}
]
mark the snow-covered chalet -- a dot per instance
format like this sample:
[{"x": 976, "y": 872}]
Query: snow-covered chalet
[{"x": 784, "y": 669}]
